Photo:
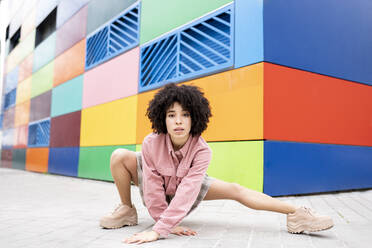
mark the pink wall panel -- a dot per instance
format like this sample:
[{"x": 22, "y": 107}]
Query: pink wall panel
[
  {"x": 21, "y": 137},
  {"x": 115, "y": 79}
]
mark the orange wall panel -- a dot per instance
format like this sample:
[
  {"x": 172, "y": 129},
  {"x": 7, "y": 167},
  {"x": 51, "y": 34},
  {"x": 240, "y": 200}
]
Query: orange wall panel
[
  {"x": 22, "y": 114},
  {"x": 144, "y": 124},
  {"x": 37, "y": 159},
  {"x": 307, "y": 107},
  {"x": 236, "y": 99},
  {"x": 69, "y": 64}
]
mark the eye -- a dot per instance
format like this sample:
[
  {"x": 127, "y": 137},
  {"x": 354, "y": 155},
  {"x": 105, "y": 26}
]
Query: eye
[
  {"x": 170, "y": 115},
  {"x": 186, "y": 114}
]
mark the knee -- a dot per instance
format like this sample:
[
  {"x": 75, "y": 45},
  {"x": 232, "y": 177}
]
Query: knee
[{"x": 118, "y": 157}]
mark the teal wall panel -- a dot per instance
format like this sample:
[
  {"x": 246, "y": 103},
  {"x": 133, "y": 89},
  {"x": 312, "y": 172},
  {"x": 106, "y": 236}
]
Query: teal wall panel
[
  {"x": 19, "y": 159},
  {"x": 67, "y": 97},
  {"x": 99, "y": 12},
  {"x": 44, "y": 52},
  {"x": 159, "y": 17}
]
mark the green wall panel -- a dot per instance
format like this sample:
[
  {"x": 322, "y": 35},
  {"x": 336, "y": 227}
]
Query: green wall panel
[
  {"x": 44, "y": 52},
  {"x": 42, "y": 80},
  {"x": 94, "y": 162},
  {"x": 240, "y": 162},
  {"x": 19, "y": 159},
  {"x": 138, "y": 148},
  {"x": 67, "y": 97},
  {"x": 161, "y": 16},
  {"x": 99, "y": 12}
]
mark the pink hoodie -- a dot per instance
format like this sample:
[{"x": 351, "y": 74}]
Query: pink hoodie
[{"x": 166, "y": 172}]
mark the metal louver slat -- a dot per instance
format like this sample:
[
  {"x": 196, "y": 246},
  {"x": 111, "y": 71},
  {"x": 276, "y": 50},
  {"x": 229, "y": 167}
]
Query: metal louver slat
[
  {"x": 39, "y": 133},
  {"x": 202, "y": 47},
  {"x": 157, "y": 60},
  {"x": 120, "y": 35}
]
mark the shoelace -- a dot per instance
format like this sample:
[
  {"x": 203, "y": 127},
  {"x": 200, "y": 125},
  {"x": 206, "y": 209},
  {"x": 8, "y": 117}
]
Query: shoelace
[
  {"x": 118, "y": 206},
  {"x": 310, "y": 211}
]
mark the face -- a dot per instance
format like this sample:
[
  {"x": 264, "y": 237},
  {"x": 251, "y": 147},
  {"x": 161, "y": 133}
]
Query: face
[{"x": 178, "y": 122}]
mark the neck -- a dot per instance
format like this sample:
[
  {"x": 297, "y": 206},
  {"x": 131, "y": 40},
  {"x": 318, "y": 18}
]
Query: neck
[{"x": 179, "y": 143}]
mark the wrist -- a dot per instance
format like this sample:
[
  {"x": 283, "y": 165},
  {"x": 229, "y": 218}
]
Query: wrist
[{"x": 156, "y": 233}]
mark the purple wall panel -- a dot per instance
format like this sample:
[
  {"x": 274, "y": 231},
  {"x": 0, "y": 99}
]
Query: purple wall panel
[
  {"x": 66, "y": 9},
  {"x": 72, "y": 31},
  {"x": 65, "y": 130},
  {"x": 8, "y": 118},
  {"x": 40, "y": 106}
]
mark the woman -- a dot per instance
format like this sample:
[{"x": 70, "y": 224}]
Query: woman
[{"x": 171, "y": 172}]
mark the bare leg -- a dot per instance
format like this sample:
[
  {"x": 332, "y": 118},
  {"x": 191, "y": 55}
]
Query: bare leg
[
  {"x": 123, "y": 165},
  {"x": 249, "y": 198}
]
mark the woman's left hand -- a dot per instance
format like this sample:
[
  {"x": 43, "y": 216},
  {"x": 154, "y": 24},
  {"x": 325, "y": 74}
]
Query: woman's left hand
[{"x": 142, "y": 237}]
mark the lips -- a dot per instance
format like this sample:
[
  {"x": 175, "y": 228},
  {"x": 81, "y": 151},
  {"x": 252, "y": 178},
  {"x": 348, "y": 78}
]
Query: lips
[{"x": 178, "y": 129}]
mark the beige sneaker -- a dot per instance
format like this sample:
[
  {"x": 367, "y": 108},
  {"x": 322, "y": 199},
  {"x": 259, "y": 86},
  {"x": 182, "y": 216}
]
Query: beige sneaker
[
  {"x": 123, "y": 215},
  {"x": 304, "y": 219}
]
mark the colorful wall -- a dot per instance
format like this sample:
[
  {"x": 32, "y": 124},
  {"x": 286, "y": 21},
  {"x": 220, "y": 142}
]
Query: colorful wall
[{"x": 290, "y": 85}]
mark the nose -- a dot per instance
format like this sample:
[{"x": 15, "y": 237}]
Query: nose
[{"x": 178, "y": 120}]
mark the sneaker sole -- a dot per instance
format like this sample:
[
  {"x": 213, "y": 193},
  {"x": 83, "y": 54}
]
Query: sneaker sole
[
  {"x": 301, "y": 230},
  {"x": 119, "y": 226}
]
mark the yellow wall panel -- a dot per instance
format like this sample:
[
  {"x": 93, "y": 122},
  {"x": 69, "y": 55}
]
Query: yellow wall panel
[
  {"x": 236, "y": 99},
  {"x": 24, "y": 90},
  {"x": 112, "y": 123},
  {"x": 22, "y": 114}
]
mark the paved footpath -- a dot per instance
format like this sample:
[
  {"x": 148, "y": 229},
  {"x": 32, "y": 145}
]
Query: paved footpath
[{"x": 38, "y": 210}]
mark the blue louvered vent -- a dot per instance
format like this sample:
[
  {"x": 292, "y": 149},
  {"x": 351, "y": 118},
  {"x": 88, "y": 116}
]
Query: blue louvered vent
[
  {"x": 38, "y": 134},
  {"x": 118, "y": 36},
  {"x": 200, "y": 48},
  {"x": 10, "y": 98},
  {"x": 159, "y": 61}
]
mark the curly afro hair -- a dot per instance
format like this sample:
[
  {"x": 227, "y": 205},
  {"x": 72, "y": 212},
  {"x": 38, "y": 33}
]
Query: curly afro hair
[{"x": 191, "y": 99}]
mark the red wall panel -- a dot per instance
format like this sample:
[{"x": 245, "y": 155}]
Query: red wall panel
[
  {"x": 65, "y": 130},
  {"x": 308, "y": 107}
]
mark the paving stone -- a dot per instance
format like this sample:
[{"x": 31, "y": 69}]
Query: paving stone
[{"x": 51, "y": 211}]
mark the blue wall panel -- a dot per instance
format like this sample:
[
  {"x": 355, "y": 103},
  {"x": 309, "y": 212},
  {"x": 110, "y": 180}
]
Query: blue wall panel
[
  {"x": 299, "y": 168},
  {"x": 11, "y": 80},
  {"x": 248, "y": 32},
  {"x": 64, "y": 161},
  {"x": 330, "y": 37},
  {"x": 44, "y": 52}
]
